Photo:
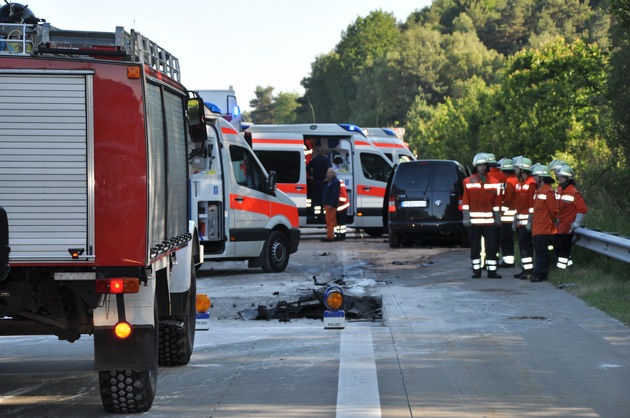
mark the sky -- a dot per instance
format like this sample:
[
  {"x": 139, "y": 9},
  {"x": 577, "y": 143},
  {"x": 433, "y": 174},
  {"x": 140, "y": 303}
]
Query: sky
[{"x": 240, "y": 43}]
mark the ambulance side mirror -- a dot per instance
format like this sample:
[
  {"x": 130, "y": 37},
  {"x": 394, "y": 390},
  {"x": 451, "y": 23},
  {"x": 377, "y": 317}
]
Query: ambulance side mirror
[
  {"x": 271, "y": 182},
  {"x": 196, "y": 120}
]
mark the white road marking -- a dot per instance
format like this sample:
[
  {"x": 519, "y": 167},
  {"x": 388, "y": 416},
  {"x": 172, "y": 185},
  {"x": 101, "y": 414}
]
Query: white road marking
[{"x": 357, "y": 390}]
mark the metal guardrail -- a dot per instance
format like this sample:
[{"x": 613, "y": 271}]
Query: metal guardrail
[{"x": 603, "y": 243}]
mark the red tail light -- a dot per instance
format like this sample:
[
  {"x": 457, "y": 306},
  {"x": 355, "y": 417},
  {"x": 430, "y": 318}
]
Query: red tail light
[
  {"x": 391, "y": 207},
  {"x": 118, "y": 285}
]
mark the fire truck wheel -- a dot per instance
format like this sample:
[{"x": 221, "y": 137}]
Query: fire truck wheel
[
  {"x": 276, "y": 253},
  {"x": 394, "y": 240},
  {"x": 130, "y": 391},
  {"x": 374, "y": 232},
  {"x": 177, "y": 334}
]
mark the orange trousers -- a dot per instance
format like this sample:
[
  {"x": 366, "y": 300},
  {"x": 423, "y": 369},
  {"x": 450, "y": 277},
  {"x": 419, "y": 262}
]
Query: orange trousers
[{"x": 331, "y": 221}]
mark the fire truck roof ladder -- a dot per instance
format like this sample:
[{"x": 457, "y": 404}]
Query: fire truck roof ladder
[{"x": 46, "y": 39}]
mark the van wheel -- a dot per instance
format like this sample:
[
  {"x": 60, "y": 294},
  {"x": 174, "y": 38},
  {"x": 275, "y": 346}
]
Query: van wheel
[
  {"x": 374, "y": 232},
  {"x": 394, "y": 240},
  {"x": 276, "y": 253},
  {"x": 130, "y": 391}
]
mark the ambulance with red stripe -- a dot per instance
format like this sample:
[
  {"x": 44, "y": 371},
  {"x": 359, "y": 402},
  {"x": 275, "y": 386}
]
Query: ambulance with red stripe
[
  {"x": 386, "y": 140},
  {"x": 239, "y": 211},
  {"x": 287, "y": 149}
]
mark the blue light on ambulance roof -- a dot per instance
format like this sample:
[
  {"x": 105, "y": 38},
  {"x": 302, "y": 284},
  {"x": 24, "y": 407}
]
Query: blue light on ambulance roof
[
  {"x": 236, "y": 111},
  {"x": 213, "y": 108},
  {"x": 351, "y": 128},
  {"x": 389, "y": 132}
]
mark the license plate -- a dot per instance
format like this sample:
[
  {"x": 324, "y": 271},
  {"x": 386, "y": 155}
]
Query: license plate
[{"x": 414, "y": 204}]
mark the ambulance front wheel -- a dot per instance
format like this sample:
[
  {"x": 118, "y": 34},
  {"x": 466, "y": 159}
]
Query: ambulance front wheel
[{"x": 276, "y": 253}]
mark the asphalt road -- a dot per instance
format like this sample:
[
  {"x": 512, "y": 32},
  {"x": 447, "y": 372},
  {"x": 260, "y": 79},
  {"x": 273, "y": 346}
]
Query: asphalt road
[{"x": 447, "y": 346}]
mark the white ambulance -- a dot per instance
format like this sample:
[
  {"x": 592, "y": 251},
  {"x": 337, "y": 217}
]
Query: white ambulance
[
  {"x": 386, "y": 140},
  {"x": 287, "y": 149},
  {"x": 239, "y": 212}
]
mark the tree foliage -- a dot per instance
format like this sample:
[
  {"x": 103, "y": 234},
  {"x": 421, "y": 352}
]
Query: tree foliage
[{"x": 537, "y": 77}]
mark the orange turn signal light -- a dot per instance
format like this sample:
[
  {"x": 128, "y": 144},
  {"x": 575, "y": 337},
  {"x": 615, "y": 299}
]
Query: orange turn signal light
[
  {"x": 133, "y": 73},
  {"x": 203, "y": 303},
  {"x": 122, "y": 330}
]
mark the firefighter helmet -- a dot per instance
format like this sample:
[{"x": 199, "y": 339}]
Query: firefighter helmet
[
  {"x": 556, "y": 164},
  {"x": 506, "y": 164},
  {"x": 492, "y": 159},
  {"x": 480, "y": 158},
  {"x": 541, "y": 171},
  {"x": 565, "y": 171},
  {"x": 523, "y": 163}
]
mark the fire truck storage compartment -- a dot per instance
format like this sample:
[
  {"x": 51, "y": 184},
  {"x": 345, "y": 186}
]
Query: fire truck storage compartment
[{"x": 45, "y": 171}]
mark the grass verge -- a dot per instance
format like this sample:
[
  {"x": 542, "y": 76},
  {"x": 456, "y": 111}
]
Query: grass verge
[{"x": 599, "y": 281}]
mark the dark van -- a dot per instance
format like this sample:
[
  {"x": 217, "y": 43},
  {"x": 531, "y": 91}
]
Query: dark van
[{"x": 423, "y": 200}]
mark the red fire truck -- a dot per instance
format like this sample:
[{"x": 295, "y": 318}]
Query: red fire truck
[{"x": 94, "y": 179}]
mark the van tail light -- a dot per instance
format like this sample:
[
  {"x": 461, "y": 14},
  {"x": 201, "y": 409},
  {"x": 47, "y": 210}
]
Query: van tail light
[
  {"x": 391, "y": 206},
  {"x": 459, "y": 203}
]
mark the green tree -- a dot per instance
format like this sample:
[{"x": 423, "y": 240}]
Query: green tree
[
  {"x": 285, "y": 106},
  {"x": 332, "y": 86},
  {"x": 263, "y": 106},
  {"x": 552, "y": 100}
]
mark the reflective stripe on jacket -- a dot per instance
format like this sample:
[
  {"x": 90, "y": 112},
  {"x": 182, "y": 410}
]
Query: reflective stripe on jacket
[
  {"x": 524, "y": 196},
  {"x": 481, "y": 198},
  {"x": 344, "y": 203},
  {"x": 570, "y": 203}
]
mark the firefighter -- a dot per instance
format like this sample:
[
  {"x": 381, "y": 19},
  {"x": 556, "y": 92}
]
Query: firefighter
[
  {"x": 524, "y": 204},
  {"x": 342, "y": 212},
  {"x": 544, "y": 221},
  {"x": 330, "y": 201},
  {"x": 494, "y": 171},
  {"x": 481, "y": 206},
  {"x": 572, "y": 210},
  {"x": 508, "y": 210}
]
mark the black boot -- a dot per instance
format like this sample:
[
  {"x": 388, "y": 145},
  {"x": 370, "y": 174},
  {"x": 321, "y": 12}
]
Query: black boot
[
  {"x": 493, "y": 275},
  {"x": 519, "y": 275},
  {"x": 476, "y": 274}
]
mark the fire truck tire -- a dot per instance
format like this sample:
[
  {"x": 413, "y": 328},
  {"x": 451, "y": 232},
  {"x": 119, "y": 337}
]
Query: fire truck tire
[
  {"x": 177, "y": 334},
  {"x": 276, "y": 253},
  {"x": 394, "y": 240},
  {"x": 374, "y": 232},
  {"x": 130, "y": 391}
]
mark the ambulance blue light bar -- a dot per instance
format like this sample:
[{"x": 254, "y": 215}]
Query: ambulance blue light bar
[
  {"x": 351, "y": 128},
  {"x": 389, "y": 132},
  {"x": 213, "y": 108}
]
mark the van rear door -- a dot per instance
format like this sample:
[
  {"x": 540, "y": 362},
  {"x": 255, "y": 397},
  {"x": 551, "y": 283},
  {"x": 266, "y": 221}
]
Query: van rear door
[{"x": 428, "y": 190}]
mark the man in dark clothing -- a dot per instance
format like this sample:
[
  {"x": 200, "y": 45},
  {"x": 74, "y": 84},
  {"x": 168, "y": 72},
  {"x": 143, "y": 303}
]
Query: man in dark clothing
[
  {"x": 316, "y": 170},
  {"x": 330, "y": 200}
]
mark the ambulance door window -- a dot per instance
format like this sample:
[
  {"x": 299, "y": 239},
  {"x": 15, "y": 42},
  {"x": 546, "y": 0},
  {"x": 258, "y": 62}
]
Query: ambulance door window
[
  {"x": 286, "y": 164},
  {"x": 375, "y": 167},
  {"x": 247, "y": 172}
]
